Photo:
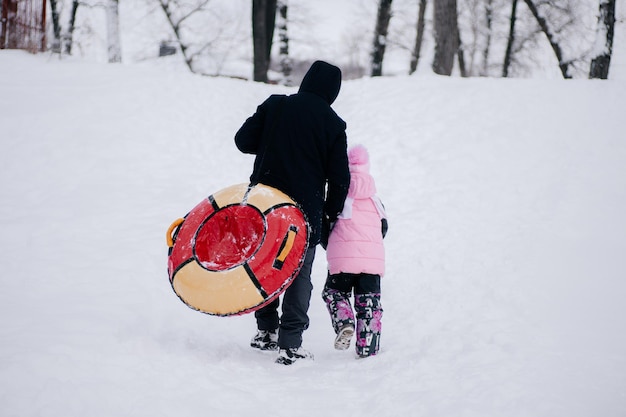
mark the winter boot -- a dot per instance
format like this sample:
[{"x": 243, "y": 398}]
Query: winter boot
[
  {"x": 341, "y": 316},
  {"x": 290, "y": 355},
  {"x": 342, "y": 341},
  {"x": 369, "y": 313},
  {"x": 265, "y": 340}
]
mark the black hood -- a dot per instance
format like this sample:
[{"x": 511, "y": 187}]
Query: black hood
[{"x": 322, "y": 79}]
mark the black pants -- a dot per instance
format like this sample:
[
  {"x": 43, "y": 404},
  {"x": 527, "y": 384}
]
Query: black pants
[
  {"x": 361, "y": 283},
  {"x": 296, "y": 299}
]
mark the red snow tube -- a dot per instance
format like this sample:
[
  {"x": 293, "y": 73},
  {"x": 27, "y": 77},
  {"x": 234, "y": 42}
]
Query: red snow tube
[{"x": 237, "y": 250}]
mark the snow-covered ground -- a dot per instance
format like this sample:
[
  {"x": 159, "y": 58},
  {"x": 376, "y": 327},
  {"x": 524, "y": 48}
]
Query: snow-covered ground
[{"x": 504, "y": 293}]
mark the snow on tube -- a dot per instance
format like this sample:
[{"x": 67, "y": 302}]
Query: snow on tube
[{"x": 237, "y": 250}]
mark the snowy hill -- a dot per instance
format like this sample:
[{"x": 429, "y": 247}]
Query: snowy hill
[{"x": 504, "y": 293}]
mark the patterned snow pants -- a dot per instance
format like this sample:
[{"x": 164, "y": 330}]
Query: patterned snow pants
[{"x": 367, "y": 305}]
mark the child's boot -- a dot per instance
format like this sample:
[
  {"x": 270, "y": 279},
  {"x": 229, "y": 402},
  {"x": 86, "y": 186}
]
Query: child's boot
[
  {"x": 369, "y": 313},
  {"x": 341, "y": 316}
]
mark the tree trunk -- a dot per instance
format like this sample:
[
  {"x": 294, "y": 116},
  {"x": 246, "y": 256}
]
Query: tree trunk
[
  {"x": 285, "y": 61},
  {"x": 488, "y": 22},
  {"x": 263, "y": 21},
  {"x": 70, "y": 32},
  {"x": 5, "y": 22},
  {"x": 461, "y": 56},
  {"x": 380, "y": 37},
  {"x": 564, "y": 66},
  {"x": 509, "y": 44},
  {"x": 56, "y": 28},
  {"x": 113, "y": 32},
  {"x": 419, "y": 37},
  {"x": 446, "y": 36},
  {"x": 604, "y": 41}
]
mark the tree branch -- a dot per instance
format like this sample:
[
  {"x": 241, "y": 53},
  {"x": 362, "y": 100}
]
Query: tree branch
[{"x": 563, "y": 65}]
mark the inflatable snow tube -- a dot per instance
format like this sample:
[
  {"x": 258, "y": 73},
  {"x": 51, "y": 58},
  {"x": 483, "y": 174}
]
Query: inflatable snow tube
[{"x": 237, "y": 250}]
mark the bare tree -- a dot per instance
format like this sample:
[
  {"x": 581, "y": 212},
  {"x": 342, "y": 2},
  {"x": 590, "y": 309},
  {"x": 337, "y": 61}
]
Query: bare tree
[
  {"x": 604, "y": 41},
  {"x": 59, "y": 38},
  {"x": 263, "y": 22},
  {"x": 56, "y": 27},
  {"x": 477, "y": 20},
  {"x": 419, "y": 37},
  {"x": 556, "y": 47},
  {"x": 461, "y": 55},
  {"x": 488, "y": 29},
  {"x": 113, "y": 32},
  {"x": 176, "y": 15},
  {"x": 380, "y": 37},
  {"x": 510, "y": 40},
  {"x": 285, "y": 61},
  {"x": 207, "y": 37},
  {"x": 69, "y": 38},
  {"x": 446, "y": 36}
]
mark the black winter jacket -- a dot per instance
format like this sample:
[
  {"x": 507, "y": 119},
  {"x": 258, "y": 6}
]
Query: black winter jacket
[{"x": 306, "y": 155}]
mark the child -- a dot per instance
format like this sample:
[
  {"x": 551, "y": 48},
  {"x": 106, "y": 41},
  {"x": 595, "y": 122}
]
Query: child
[{"x": 356, "y": 261}]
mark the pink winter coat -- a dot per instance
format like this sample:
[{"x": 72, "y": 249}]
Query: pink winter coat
[{"x": 355, "y": 244}]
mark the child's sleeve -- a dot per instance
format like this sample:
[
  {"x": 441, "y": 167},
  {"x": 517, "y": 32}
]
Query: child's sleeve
[{"x": 380, "y": 207}]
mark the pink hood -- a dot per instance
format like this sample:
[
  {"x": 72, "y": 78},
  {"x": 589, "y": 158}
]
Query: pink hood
[{"x": 362, "y": 184}]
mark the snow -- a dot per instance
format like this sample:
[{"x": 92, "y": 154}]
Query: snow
[{"x": 504, "y": 293}]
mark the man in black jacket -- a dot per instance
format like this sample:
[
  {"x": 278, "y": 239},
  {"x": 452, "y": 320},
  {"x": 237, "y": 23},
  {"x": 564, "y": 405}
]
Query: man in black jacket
[{"x": 300, "y": 147}]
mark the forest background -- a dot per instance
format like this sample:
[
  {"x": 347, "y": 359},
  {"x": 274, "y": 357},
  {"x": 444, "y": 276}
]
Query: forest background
[{"x": 272, "y": 41}]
